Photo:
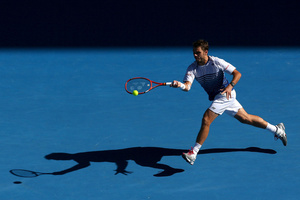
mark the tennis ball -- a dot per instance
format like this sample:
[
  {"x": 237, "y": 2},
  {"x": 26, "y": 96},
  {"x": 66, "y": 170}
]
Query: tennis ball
[{"x": 135, "y": 93}]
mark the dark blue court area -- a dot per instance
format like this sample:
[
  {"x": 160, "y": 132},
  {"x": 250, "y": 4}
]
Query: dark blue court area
[{"x": 66, "y": 111}]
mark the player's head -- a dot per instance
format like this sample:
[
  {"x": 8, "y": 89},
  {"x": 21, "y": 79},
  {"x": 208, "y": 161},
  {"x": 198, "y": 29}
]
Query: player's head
[
  {"x": 201, "y": 43},
  {"x": 200, "y": 51}
]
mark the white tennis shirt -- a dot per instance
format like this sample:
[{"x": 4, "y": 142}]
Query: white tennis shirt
[{"x": 211, "y": 76}]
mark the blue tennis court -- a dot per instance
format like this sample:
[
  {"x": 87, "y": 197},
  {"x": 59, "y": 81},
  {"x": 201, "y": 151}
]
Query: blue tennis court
[{"x": 66, "y": 111}]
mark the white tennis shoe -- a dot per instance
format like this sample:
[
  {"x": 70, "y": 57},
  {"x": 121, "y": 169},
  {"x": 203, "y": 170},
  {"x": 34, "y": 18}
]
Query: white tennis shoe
[
  {"x": 189, "y": 157},
  {"x": 280, "y": 133}
]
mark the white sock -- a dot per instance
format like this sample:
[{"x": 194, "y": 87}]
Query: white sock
[
  {"x": 196, "y": 148},
  {"x": 271, "y": 128}
]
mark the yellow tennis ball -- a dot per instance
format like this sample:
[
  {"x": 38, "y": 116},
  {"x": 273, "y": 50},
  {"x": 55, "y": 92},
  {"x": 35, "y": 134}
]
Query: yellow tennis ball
[{"x": 135, "y": 93}]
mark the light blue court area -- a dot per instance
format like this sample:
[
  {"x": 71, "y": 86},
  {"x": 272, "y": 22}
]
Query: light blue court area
[{"x": 66, "y": 111}]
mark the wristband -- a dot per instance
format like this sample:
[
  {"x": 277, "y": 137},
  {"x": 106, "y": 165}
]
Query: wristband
[
  {"x": 182, "y": 86},
  {"x": 232, "y": 84}
]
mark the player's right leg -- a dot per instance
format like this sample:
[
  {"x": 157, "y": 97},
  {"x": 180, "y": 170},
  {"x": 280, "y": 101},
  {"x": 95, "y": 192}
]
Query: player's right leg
[{"x": 208, "y": 117}]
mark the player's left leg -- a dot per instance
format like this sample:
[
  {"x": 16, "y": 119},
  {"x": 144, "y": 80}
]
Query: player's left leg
[
  {"x": 253, "y": 120},
  {"x": 278, "y": 130}
]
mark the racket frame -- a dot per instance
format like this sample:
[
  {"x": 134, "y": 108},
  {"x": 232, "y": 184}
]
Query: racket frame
[{"x": 151, "y": 84}]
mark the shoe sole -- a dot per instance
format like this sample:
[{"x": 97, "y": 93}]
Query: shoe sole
[
  {"x": 187, "y": 160},
  {"x": 283, "y": 139}
]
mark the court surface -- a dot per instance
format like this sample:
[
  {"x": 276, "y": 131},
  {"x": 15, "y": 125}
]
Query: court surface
[{"x": 59, "y": 106}]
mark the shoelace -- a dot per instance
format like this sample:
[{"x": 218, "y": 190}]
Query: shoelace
[
  {"x": 191, "y": 151},
  {"x": 276, "y": 137}
]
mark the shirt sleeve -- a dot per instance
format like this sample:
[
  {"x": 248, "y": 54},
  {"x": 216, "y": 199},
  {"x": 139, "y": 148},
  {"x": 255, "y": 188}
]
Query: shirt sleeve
[
  {"x": 189, "y": 75},
  {"x": 227, "y": 67}
]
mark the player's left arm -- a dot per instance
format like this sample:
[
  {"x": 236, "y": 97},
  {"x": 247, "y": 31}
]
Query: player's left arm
[{"x": 236, "y": 77}]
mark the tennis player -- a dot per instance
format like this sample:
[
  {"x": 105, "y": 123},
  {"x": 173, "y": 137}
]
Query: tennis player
[{"x": 209, "y": 71}]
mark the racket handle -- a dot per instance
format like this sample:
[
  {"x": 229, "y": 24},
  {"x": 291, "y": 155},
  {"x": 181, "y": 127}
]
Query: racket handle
[{"x": 168, "y": 83}]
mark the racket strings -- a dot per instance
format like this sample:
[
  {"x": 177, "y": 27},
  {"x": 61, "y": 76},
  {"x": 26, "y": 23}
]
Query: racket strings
[{"x": 141, "y": 85}]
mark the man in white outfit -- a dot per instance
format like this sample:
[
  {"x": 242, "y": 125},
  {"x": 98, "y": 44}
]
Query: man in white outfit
[{"x": 210, "y": 71}]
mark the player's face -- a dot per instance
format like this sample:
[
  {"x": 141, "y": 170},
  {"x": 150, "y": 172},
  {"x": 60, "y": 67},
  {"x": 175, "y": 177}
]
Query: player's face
[{"x": 200, "y": 55}]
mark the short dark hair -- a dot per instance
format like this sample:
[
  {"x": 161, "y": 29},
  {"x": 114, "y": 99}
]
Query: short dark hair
[{"x": 201, "y": 43}]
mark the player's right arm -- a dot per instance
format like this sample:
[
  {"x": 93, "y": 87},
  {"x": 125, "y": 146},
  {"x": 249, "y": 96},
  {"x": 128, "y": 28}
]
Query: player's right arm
[
  {"x": 186, "y": 86},
  {"x": 187, "y": 80}
]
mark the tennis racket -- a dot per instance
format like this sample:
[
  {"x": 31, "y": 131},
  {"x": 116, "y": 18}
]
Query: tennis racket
[
  {"x": 26, "y": 173},
  {"x": 142, "y": 85}
]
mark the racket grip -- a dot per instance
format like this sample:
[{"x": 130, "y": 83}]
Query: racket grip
[{"x": 168, "y": 83}]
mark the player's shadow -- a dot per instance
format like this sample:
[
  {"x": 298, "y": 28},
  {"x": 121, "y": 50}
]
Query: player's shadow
[{"x": 143, "y": 156}]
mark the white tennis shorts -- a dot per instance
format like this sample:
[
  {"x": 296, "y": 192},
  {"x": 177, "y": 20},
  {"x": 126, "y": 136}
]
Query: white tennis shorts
[{"x": 221, "y": 104}]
